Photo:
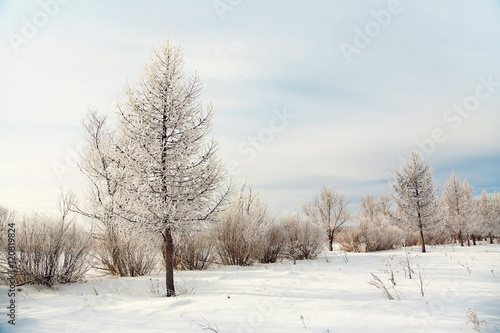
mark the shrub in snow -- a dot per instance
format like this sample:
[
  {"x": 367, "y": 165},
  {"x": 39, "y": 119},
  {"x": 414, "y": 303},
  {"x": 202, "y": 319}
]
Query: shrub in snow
[
  {"x": 49, "y": 251},
  {"x": 6, "y": 217},
  {"x": 271, "y": 243},
  {"x": 234, "y": 235},
  {"x": 375, "y": 231},
  {"x": 240, "y": 231},
  {"x": 410, "y": 238},
  {"x": 377, "y": 283},
  {"x": 472, "y": 318},
  {"x": 126, "y": 252},
  {"x": 367, "y": 238},
  {"x": 351, "y": 239},
  {"x": 304, "y": 240},
  {"x": 194, "y": 252}
]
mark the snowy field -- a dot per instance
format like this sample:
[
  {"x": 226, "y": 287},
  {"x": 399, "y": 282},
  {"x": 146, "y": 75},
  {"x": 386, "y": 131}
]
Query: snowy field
[{"x": 330, "y": 294}]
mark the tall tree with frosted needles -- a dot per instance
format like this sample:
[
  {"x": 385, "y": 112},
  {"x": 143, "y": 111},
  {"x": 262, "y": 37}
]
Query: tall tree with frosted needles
[
  {"x": 176, "y": 181},
  {"x": 489, "y": 214},
  {"x": 415, "y": 196},
  {"x": 471, "y": 216},
  {"x": 460, "y": 206},
  {"x": 328, "y": 210}
]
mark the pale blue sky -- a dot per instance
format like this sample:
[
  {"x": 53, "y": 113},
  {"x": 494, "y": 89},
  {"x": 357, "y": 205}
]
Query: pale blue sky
[{"x": 353, "y": 120}]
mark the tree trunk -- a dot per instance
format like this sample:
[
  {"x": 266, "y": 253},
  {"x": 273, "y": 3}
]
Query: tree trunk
[
  {"x": 421, "y": 227},
  {"x": 468, "y": 240},
  {"x": 331, "y": 241},
  {"x": 460, "y": 238},
  {"x": 491, "y": 238},
  {"x": 169, "y": 262},
  {"x": 422, "y": 240}
]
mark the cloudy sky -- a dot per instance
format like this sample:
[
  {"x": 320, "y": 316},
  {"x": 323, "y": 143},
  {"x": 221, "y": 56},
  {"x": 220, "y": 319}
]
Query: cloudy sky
[{"x": 308, "y": 93}]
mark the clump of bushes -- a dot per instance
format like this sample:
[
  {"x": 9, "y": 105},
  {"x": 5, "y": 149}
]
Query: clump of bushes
[
  {"x": 367, "y": 238},
  {"x": 240, "y": 231},
  {"x": 247, "y": 233},
  {"x": 123, "y": 252},
  {"x": 271, "y": 244},
  {"x": 375, "y": 230},
  {"x": 48, "y": 250},
  {"x": 195, "y": 252},
  {"x": 304, "y": 240}
]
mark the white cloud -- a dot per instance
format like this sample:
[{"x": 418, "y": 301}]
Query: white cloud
[{"x": 353, "y": 122}]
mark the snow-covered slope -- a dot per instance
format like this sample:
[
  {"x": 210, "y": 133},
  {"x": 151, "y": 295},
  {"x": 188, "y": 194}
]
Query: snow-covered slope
[{"x": 330, "y": 294}]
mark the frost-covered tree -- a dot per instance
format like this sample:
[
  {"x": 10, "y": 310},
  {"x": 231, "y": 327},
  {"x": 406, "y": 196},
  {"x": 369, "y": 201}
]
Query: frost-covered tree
[
  {"x": 103, "y": 176},
  {"x": 415, "y": 196},
  {"x": 174, "y": 178},
  {"x": 489, "y": 214},
  {"x": 496, "y": 214},
  {"x": 460, "y": 207},
  {"x": 328, "y": 210},
  {"x": 103, "y": 181},
  {"x": 376, "y": 211},
  {"x": 119, "y": 249},
  {"x": 469, "y": 209},
  {"x": 451, "y": 202}
]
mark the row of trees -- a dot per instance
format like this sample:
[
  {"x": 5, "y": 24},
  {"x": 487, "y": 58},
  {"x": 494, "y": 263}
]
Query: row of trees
[
  {"x": 417, "y": 208},
  {"x": 456, "y": 212},
  {"x": 245, "y": 233}
]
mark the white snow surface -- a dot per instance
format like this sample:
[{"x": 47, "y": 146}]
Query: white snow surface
[{"x": 322, "y": 295}]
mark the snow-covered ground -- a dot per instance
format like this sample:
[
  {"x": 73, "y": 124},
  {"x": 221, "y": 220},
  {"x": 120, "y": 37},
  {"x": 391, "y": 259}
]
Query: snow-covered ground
[{"x": 330, "y": 294}]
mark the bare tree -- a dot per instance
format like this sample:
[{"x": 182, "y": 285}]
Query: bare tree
[
  {"x": 174, "y": 178},
  {"x": 328, "y": 210},
  {"x": 415, "y": 196}
]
